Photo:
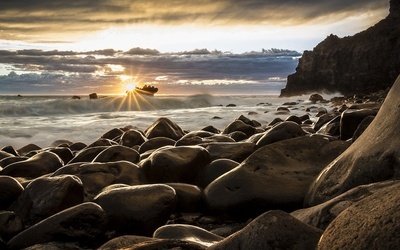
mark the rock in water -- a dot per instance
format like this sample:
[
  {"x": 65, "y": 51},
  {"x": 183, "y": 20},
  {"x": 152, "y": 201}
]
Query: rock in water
[
  {"x": 351, "y": 65},
  {"x": 373, "y": 157},
  {"x": 138, "y": 209},
  {"x": 275, "y": 176},
  {"x": 82, "y": 223},
  {"x": 272, "y": 230},
  {"x": 93, "y": 96},
  {"x": 372, "y": 223}
]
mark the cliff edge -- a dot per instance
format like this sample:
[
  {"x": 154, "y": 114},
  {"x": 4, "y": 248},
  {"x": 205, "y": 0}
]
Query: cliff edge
[{"x": 363, "y": 63}]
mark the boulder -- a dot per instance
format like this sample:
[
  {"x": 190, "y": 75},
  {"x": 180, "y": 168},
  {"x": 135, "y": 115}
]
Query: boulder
[
  {"x": 189, "y": 198},
  {"x": 87, "y": 154},
  {"x": 163, "y": 127},
  {"x": 93, "y": 96},
  {"x": 362, "y": 127},
  {"x": 132, "y": 138},
  {"x": 371, "y": 223},
  {"x": 214, "y": 170},
  {"x": 272, "y": 230},
  {"x": 10, "y": 225},
  {"x": 139, "y": 209},
  {"x": 275, "y": 176},
  {"x": 156, "y": 143},
  {"x": 373, "y": 157},
  {"x": 10, "y": 189},
  {"x": 350, "y": 120},
  {"x": 84, "y": 223},
  {"x": 125, "y": 241},
  {"x": 46, "y": 196},
  {"x": 281, "y": 131},
  {"x": 239, "y": 125},
  {"x": 175, "y": 164},
  {"x": 113, "y": 133},
  {"x": 236, "y": 151},
  {"x": 315, "y": 98},
  {"x": 117, "y": 153}
]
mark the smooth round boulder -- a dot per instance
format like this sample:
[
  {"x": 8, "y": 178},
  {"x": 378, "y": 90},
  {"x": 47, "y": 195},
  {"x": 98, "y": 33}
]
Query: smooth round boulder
[
  {"x": 211, "y": 129},
  {"x": 113, "y": 133},
  {"x": 46, "y": 196},
  {"x": 138, "y": 209},
  {"x": 28, "y": 148},
  {"x": 362, "y": 127},
  {"x": 8, "y": 160},
  {"x": 10, "y": 189},
  {"x": 350, "y": 120},
  {"x": 4, "y": 154},
  {"x": 239, "y": 125},
  {"x": 84, "y": 223},
  {"x": 275, "y": 176},
  {"x": 272, "y": 230},
  {"x": 10, "y": 224},
  {"x": 132, "y": 138},
  {"x": 282, "y": 131},
  {"x": 322, "y": 215},
  {"x": 189, "y": 198},
  {"x": 175, "y": 164},
  {"x": 372, "y": 223},
  {"x": 214, "y": 170},
  {"x": 315, "y": 98},
  {"x": 125, "y": 241},
  {"x": 96, "y": 176},
  {"x": 35, "y": 166},
  {"x": 64, "y": 153},
  {"x": 156, "y": 143},
  {"x": 373, "y": 157},
  {"x": 236, "y": 151},
  {"x": 238, "y": 136},
  {"x": 117, "y": 153},
  {"x": 10, "y": 150},
  {"x": 187, "y": 233},
  {"x": 87, "y": 154},
  {"x": 163, "y": 127},
  {"x": 102, "y": 142}
]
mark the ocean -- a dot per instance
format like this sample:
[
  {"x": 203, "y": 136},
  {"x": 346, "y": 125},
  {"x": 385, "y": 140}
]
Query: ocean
[{"x": 41, "y": 120}]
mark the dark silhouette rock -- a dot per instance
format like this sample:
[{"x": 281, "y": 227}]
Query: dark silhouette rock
[
  {"x": 189, "y": 198},
  {"x": 239, "y": 125},
  {"x": 163, "y": 127},
  {"x": 64, "y": 153},
  {"x": 275, "y": 176},
  {"x": 93, "y": 96},
  {"x": 315, "y": 98},
  {"x": 236, "y": 151},
  {"x": 351, "y": 118},
  {"x": 272, "y": 230},
  {"x": 46, "y": 196},
  {"x": 125, "y": 241},
  {"x": 83, "y": 223},
  {"x": 10, "y": 150},
  {"x": 175, "y": 164},
  {"x": 214, "y": 170},
  {"x": 362, "y": 127},
  {"x": 373, "y": 157},
  {"x": 87, "y": 154},
  {"x": 281, "y": 131},
  {"x": 371, "y": 223},
  {"x": 132, "y": 138},
  {"x": 113, "y": 133},
  {"x": 156, "y": 143},
  {"x": 28, "y": 148},
  {"x": 366, "y": 62},
  {"x": 10, "y": 189},
  {"x": 117, "y": 153},
  {"x": 139, "y": 209},
  {"x": 10, "y": 225}
]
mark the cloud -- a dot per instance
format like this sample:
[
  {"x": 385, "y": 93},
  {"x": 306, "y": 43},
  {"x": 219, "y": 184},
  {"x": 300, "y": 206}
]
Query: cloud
[
  {"x": 68, "y": 70},
  {"x": 30, "y": 20}
]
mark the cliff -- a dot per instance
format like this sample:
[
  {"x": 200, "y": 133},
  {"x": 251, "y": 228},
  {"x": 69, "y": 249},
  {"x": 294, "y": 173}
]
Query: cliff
[{"x": 363, "y": 63}]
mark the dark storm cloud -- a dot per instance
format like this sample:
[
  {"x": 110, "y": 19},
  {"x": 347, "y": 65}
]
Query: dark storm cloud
[
  {"x": 61, "y": 69},
  {"x": 22, "y": 19}
]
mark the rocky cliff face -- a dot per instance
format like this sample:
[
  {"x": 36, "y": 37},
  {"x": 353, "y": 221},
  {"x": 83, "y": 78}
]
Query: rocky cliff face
[{"x": 366, "y": 62}]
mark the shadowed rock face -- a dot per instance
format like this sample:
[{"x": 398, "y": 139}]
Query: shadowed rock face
[
  {"x": 366, "y": 62},
  {"x": 374, "y": 157}
]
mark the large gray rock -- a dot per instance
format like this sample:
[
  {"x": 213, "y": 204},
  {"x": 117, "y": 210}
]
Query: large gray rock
[
  {"x": 272, "y": 230},
  {"x": 322, "y": 215},
  {"x": 373, "y": 157},
  {"x": 138, "y": 209},
  {"x": 372, "y": 223},
  {"x": 275, "y": 176},
  {"x": 82, "y": 223}
]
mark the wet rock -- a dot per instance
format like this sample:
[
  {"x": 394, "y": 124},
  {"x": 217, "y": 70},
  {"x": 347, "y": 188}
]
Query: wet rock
[
  {"x": 239, "y": 125},
  {"x": 236, "y": 151},
  {"x": 275, "y": 176},
  {"x": 163, "y": 127},
  {"x": 331, "y": 128},
  {"x": 113, "y": 133},
  {"x": 293, "y": 118},
  {"x": 214, "y": 170},
  {"x": 77, "y": 146},
  {"x": 102, "y": 142},
  {"x": 322, "y": 215},
  {"x": 93, "y": 96},
  {"x": 187, "y": 233},
  {"x": 315, "y": 98},
  {"x": 10, "y": 224},
  {"x": 373, "y": 157},
  {"x": 211, "y": 129},
  {"x": 322, "y": 120},
  {"x": 65, "y": 154},
  {"x": 156, "y": 143},
  {"x": 87, "y": 154},
  {"x": 275, "y": 121},
  {"x": 84, "y": 223},
  {"x": 371, "y": 223},
  {"x": 231, "y": 105},
  {"x": 199, "y": 137},
  {"x": 28, "y": 148},
  {"x": 10, "y": 189},
  {"x": 238, "y": 136},
  {"x": 189, "y": 198},
  {"x": 132, "y": 138},
  {"x": 46, "y": 196},
  {"x": 175, "y": 164},
  {"x": 10, "y": 150},
  {"x": 350, "y": 120},
  {"x": 96, "y": 176},
  {"x": 117, "y": 153},
  {"x": 361, "y": 127},
  {"x": 37, "y": 165},
  {"x": 272, "y": 230},
  {"x": 125, "y": 241},
  {"x": 281, "y": 131},
  {"x": 138, "y": 209}
]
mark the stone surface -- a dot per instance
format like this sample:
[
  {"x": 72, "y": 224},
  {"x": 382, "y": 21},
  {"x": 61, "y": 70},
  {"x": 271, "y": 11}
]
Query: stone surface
[
  {"x": 10, "y": 224},
  {"x": 281, "y": 131},
  {"x": 236, "y": 151},
  {"x": 156, "y": 143},
  {"x": 10, "y": 189},
  {"x": 189, "y": 198},
  {"x": 125, "y": 241},
  {"x": 350, "y": 120},
  {"x": 373, "y": 157},
  {"x": 132, "y": 138},
  {"x": 187, "y": 233},
  {"x": 275, "y": 176},
  {"x": 46, "y": 196},
  {"x": 272, "y": 230},
  {"x": 351, "y": 65},
  {"x": 175, "y": 164},
  {"x": 163, "y": 127},
  {"x": 372, "y": 223},
  {"x": 239, "y": 125},
  {"x": 87, "y": 154},
  {"x": 214, "y": 170},
  {"x": 139, "y": 209},
  {"x": 82, "y": 223},
  {"x": 117, "y": 153}
]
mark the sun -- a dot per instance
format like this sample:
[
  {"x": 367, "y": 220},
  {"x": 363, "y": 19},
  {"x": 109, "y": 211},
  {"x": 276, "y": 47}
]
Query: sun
[{"x": 130, "y": 86}]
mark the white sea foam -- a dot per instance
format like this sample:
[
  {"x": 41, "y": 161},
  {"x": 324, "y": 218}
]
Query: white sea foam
[{"x": 42, "y": 120}]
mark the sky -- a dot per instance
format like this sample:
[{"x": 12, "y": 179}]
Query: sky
[{"x": 76, "y": 47}]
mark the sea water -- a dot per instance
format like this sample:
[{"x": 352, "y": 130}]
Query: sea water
[{"x": 41, "y": 120}]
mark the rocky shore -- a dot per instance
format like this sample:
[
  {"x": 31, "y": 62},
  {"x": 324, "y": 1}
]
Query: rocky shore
[{"x": 328, "y": 179}]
